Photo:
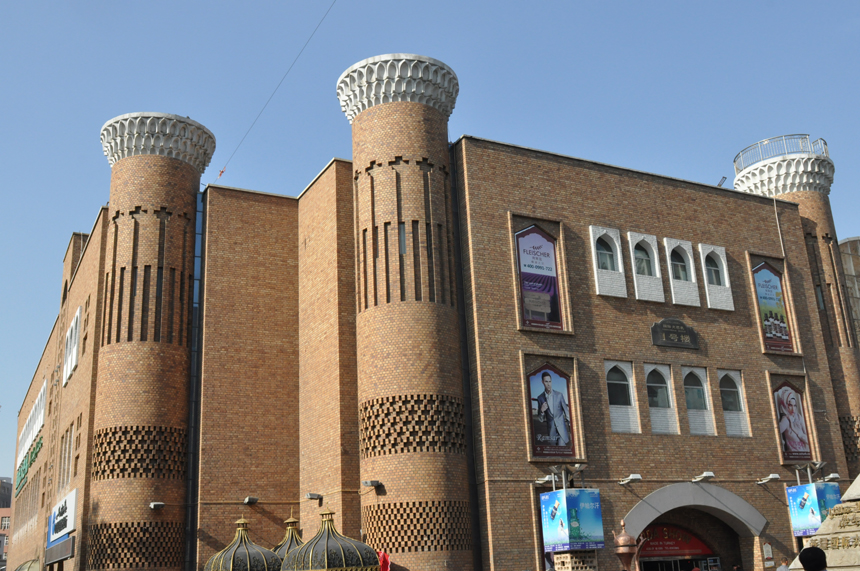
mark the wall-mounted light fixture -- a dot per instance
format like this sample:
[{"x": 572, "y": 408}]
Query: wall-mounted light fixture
[
  {"x": 834, "y": 477},
  {"x": 156, "y": 505},
  {"x": 630, "y": 479},
  {"x": 704, "y": 477},
  {"x": 770, "y": 478},
  {"x": 371, "y": 483},
  {"x": 312, "y": 496},
  {"x": 250, "y": 501}
]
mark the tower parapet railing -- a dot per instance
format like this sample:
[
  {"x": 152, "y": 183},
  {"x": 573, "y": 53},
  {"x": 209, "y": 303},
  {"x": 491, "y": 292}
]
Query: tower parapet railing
[{"x": 778, "y": 147}]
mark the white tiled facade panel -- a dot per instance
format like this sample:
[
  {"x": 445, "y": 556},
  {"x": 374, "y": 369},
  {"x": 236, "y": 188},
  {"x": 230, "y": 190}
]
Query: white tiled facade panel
[
  {"x": 607, "y": 282},
  {"x": 737, "y": 423},
  {"x": 701, "y": 421},
  {"x": 624, "y": 418},
  {"x": 683, "y": 292},
  {"x": 663, "y": 420},
  {"x": 718, "y": 296},
  {"x": 648, "y": 288}
]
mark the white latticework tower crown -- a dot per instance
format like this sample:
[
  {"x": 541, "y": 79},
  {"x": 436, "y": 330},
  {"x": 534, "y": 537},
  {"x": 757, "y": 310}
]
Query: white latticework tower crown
[{"x": 780, "y": 165}]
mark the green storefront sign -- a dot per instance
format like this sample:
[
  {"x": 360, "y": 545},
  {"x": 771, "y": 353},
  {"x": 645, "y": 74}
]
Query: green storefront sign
[{"x": 21, "y": 475}]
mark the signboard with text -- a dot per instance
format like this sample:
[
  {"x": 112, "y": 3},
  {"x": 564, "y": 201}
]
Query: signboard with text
[
  {"x": 62, "y": 520},
  {"x": 571, "y": 519},
  {"x": 538, "y": 271},
  {"x": 809, "y": 504},
  {"x": 662, "y": 541},
  {"x": 772, "y": 309}
]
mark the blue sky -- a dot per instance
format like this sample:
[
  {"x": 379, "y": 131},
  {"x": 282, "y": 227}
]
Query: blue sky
[{"x": 675, "y": 88}]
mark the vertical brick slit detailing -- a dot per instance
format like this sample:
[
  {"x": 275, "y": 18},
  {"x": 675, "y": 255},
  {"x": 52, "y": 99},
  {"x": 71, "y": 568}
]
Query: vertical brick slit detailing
[
  {"x": 375, "y": 264},
  {"x": 449, "y": 238},
  {"x": 144, "y": 305},
  {"x": 129, "y": 545},
  {"x": 840, "y": 300},
  {"x": 411, "y": 423},
  {"x": 402, "y": 249},
  {"x": 163, "y": 216},
  {"x": 171, "y": 295},
  {"x": 416, "y": 259},
  {"x": 132, "y": 298},
  {"x": 431, "y": 261},
  {"x": 181, "y": 302},
  {"x": 444, "y": 284},
  {"x": 364, "y": 265},
  {"x": 109, "y": 328},
  {"x": 850, "y": 426},
  {"x": 387, "y": 274},
  {"x": 119, "y": 304},
  {"x": 409, "y": 527},
  {"x": 189, "y": 314},
  {"x": 139, "y": 452},
  {"x": 105, "y": 316}
]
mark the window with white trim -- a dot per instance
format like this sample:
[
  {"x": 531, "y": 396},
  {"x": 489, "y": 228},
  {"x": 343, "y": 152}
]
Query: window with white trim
[
  {"x": 679, "y": 266},
  {"x": 718, "y": 290},
  {"x": 606, "y": 261},
  {"x": 732, "y": 397},
  {"x": 664, "y": 420},
  {"x": 4, "y": 522},
  {"x": 682, "y": 274},
  {"x": 623, "y": 414},
  {"x": 698, "y": 405},
  {"x": 643, "y": 261},
  {"x": 712, "y": 267},
  {"x": 70, "y": 355},
  {"x": 647, "y": 279}
]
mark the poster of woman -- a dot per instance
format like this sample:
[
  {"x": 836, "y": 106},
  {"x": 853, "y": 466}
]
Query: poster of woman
[
  {"x": 538, "y": 278},
  {"x": 549, "y": 390},
  {"x": 791, "y": 419}
]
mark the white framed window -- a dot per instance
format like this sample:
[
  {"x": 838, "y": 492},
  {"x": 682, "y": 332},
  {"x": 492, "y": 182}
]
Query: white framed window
[
  {"x": 607, "y": 264},
  {"x": 732, "y": 397},
  {"x": 623, "y": 413},
  {"x": 647, "y": 278},
  {"x": 718, "y": 289},
  {"x": 4, "y": 522},
  {"x": 699, "y": 412},
  {"x": 70, "y": 355},
  {"x": 682, "y": 274},
  {"x": 658, "y": 381}
]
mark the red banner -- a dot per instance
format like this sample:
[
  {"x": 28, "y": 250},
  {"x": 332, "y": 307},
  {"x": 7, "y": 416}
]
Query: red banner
[{"x": 670, "y": 541}]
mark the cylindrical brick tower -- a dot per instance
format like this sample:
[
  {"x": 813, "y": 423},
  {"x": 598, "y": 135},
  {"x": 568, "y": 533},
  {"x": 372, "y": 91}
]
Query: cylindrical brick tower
[
  {"x": 410, "y": 390},
  {"x": 141, "y": 407},
  {"x": 795, "y": 169}
]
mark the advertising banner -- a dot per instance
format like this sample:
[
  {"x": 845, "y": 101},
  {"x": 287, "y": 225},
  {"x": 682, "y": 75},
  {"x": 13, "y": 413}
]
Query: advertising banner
[
  {"x": 665, "y": 541},
  {"x": 791, "y": 420},
  {"x": 62, "y": 520},
  {"x": 571, "y": 519},
  {"x": 809, "y": 505},
  {"x": 549, "y": 389},
  {"x": 538, "y": 278},
  {"x": 771, "y": 306},
  {"x": 829, "y": 495}
]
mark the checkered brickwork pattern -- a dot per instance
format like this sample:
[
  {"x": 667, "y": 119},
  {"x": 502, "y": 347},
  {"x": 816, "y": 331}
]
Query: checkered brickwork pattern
[
  {"x": 412, "y": 423},
  {"x": 135, "y": 544},
  {"x": 850, "y": 426},
  {"x": 139, "y": 452},
  {"x": 576, "y": 561},
  {"x": 409, "y": 527}
]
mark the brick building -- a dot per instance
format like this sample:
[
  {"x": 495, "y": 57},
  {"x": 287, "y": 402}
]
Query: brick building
[{"x": 422, "y": 336}]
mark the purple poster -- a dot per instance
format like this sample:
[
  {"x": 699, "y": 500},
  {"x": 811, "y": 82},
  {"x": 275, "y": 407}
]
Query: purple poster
[{"x": 538, "y": 279}]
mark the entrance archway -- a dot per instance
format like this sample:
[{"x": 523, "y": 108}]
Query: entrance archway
[{"x": 730, "y": 508}]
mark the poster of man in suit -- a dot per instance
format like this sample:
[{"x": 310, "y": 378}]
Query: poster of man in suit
[{"x": 549, "y": 389}]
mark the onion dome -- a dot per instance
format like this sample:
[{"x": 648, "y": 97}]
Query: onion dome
[
  {"x": 328, "y": 549},
  {"x": 291, "y": 539},
  {"x": 243, "y": 554}
]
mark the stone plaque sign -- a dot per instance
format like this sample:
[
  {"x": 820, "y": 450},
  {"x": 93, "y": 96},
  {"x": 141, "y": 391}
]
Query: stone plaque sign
[{"x": 674, "y": 333}]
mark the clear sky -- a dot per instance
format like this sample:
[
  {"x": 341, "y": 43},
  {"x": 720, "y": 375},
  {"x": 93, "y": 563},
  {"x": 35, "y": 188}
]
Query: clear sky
[{"x": 675, "y": 88}]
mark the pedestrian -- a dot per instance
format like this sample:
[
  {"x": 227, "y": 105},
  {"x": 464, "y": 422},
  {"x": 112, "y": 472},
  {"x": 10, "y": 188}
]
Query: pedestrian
[
  {"x": 784, "y": 566},
  {"x": 813, "y": 559}
]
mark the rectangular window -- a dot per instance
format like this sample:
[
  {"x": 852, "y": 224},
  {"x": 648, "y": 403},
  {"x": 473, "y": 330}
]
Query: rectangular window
[{"x": 819, "y": 296}]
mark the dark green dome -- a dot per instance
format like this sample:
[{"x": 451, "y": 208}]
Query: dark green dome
[
  {"x": 243, "y": 554},
  {"x": 328, "y": 549},
  {"x": 291, "y": 539}
]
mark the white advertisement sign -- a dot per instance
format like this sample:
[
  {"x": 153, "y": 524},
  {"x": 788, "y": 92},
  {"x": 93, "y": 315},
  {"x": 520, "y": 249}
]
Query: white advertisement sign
[
  {"x": 63, "y": 516},
  {"x": 34, "y": 424}
]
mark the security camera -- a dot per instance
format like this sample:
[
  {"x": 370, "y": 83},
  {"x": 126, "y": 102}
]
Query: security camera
[
  {"x": 770, "y": 478},
  {"x": 630, "y": 478},
  {"x": 704, "y": 477}
]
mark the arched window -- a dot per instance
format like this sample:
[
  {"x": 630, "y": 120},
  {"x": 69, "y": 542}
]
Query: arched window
[
  {"x": 65, "y": 290},
  {"x": 605, "y": 255},
  {"x": 679, "y": 267},
  {"x": 619, "y": 387},
  {"x": 694, "y": 391},
  {"x": 713, "y": 269},
  {"x": 658, "y": 390},
  {"x": 643, "y": 261},
  {"x": 730, "y": 394}
]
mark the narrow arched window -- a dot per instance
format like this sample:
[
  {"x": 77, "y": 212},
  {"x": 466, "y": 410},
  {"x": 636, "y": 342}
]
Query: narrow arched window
[
  {"x": 679, "y": 267},
  {"x": 605, "y": 255},
  {"x": 712, "y": 266},
  {"x": 658, "y": 390},
  {"x": 694, "y": 391},
  {"x": 643, "y": 261},
  {"x": 619, "y": 387},
  {"x": 730, "y": 394}
]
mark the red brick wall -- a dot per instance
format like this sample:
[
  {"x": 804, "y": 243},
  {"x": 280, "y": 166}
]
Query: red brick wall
[{"x": 249, "y": 444}]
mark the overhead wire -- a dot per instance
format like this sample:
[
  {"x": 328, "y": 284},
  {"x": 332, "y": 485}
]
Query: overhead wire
[{"x": 224, "y": 168}]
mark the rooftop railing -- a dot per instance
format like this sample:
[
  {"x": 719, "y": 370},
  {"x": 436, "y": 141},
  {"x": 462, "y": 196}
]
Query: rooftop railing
[{"x": 778, "y": 147}]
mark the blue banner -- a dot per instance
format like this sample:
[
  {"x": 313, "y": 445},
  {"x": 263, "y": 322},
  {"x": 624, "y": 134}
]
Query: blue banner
[
  {"x": 809, "y": 505},
  {"x": 571, "y": 520}
]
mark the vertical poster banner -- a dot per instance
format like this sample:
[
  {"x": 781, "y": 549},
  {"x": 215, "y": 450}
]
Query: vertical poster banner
[
  {"x": 772, "y": 308},
  {"x": 585, "y": 519},
  {"x": 536, "y": 261},
  {"x": 828, "y": 496},
  {"x": 553, "y": 515},
  {"x": 791, "y": 419},
  {"x": 550, "y": 397},
  {"x": 803, "y": 509}
]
